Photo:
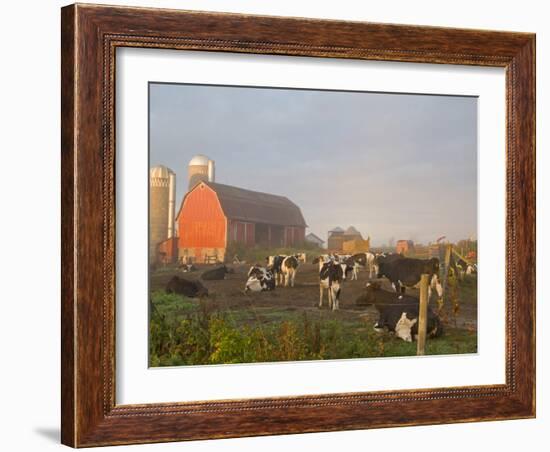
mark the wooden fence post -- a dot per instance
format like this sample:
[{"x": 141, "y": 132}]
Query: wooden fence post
[
  {"x": 446, "y": 265},
  {"x": 423, "y": 315}
]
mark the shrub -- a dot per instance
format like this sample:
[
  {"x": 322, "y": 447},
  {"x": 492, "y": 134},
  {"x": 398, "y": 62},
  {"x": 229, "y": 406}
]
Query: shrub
[{"x": 183, "y": 332}]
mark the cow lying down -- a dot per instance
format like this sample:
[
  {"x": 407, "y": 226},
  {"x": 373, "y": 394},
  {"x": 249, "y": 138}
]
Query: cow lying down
[
  {"x": 182, "y": 286},
  {"x": 260, "y": 279},
  {"x": 216, "y": 274},
  {"x": 398, "y": 313}
]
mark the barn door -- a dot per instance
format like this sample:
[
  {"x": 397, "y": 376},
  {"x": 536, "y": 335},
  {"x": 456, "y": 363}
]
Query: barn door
[{"x": 198, "y": 255}]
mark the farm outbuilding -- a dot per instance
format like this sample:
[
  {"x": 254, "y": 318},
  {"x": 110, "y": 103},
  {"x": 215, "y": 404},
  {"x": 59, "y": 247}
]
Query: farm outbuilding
[
  {"x": 356, "y": 246},
  {"x": 315, "y": 239},
  {"x": 214, "y": 215},
  {"x": 404, "y": 247},
  {"x": 349, "y": 240}
]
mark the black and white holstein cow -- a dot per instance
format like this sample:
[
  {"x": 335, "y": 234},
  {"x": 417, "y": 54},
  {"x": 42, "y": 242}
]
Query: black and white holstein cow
[
  {"x": 260, "y": 279},
  {"x": 398, "y": 313},
  {"x": 347, "y": 268},
  {"x": 343, "y": 261},
  {"x": 363, "y": 260},
  {"x": 406, "y": 272},
  {"x": 289, "y": 266},
  {"x": 464, "y": 268},
  {"x": 284, "y": 269},
  {"x": 331, "y": 276}
]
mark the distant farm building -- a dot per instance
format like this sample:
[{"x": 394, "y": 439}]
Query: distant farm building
[
  {"x": 315, "y": 240},
  {"x": 348, "y": 241},
  {"x": 335, "y": 238},
  {"x": 356, "y": 246},
  {"x": 214, "y": 215},
  {"x": 419, "y": 251},
  {"x": 404, "y": 247}
]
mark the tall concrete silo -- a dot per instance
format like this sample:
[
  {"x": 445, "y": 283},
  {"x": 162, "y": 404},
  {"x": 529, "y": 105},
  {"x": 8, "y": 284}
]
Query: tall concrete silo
[
  {"x": 201, "y": 168},
  {"x": 162, "y": 203}
]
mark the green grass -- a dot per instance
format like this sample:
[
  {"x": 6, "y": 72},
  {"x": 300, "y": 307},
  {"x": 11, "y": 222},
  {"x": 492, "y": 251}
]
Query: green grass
[
  {"x": 189, "y": 332},
  {"x": 468, "y": 290}
]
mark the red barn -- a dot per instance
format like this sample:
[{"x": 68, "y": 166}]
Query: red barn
[{"x": 213, "y": 215}]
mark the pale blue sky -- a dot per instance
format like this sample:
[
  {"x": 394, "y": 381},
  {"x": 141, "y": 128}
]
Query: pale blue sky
[{"x": 393, "y": 165}]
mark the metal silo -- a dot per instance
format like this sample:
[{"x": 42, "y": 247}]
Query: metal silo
[
  {"x": 162, "y": 202},
  {"x": 201, "y": 168}
]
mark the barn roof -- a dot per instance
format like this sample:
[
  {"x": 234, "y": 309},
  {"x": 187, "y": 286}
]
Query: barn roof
[
  {"x": 257, "y": 207},
  {"x": 314, "y": 236},
  {"x": 352, "y": 231}
]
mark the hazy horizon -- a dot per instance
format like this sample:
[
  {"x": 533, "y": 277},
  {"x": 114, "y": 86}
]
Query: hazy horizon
[{"x": 399, "y": 166}]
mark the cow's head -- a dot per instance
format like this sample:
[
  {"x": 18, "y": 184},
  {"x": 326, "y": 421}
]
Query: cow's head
[
  {"x": 229, "y": 270},
  {"x": 403, "y": 327},
  {"x": 331, "y": 270},
  {"x": 255, "y": 271},
  {"x": 360, "y": 258},
  {"x": 368, "y": 297},
  {"x": 373, "y": 286},
  {"x": 380, "y": 269},
  {"x": 434, "y": 265}
]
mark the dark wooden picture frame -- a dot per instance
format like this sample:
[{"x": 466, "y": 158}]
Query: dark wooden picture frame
[{"x": 90, "y": 35}]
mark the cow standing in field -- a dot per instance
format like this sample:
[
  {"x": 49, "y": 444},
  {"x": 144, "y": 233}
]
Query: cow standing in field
[
  {"x": 284, "y": 268},
  {"x": 406, "y": 272},
  {"x": 185, "y": 287},
  {"x": 289, "y": 266},
  {"x": 274, "y": 264},
  {"x": 301, "y": 257},
  {"x": 260, "y": 279},
  {"x": 347, "y": 268},
  {"x": 363, "y": 260},
  {"x": 398, "y": 312},
  {"x": 331, "y": 276}
]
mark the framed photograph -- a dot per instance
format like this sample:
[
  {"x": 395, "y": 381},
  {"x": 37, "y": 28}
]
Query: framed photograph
[{"x": 281, "y": 225}]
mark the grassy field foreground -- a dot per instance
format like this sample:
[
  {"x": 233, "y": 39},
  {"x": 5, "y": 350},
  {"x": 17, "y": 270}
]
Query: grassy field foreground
[{"x": 193, "y": 332}]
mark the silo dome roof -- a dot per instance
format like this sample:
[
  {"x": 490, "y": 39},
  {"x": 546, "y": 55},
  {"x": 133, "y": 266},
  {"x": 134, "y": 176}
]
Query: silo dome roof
[
  {"x": 199, "y": 160},
  {"x": 160, "y": 171}
]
